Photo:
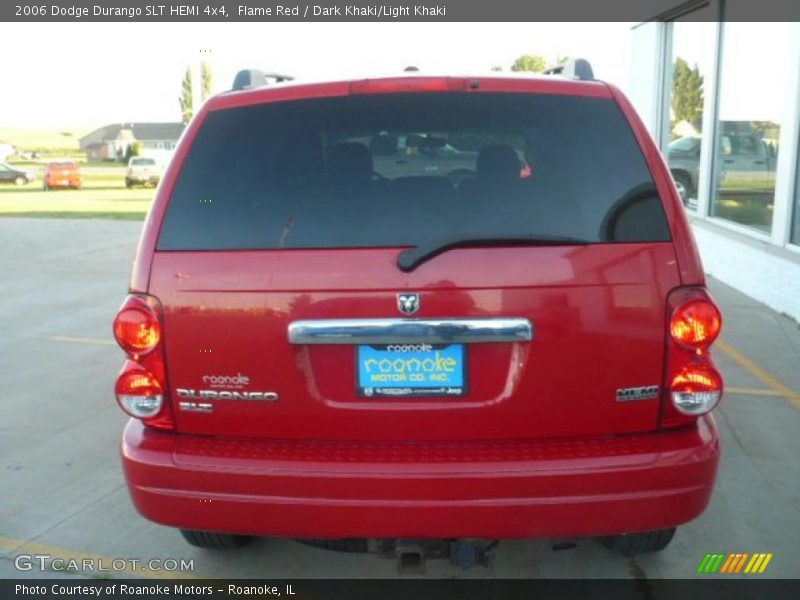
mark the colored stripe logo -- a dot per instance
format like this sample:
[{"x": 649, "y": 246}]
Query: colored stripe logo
[{"x": 735, "y": 562}]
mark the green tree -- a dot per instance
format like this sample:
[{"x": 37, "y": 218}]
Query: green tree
[
  {"x": 687, "y": 93},
  {"x": 132, "y": 149},
  {"x": 185, "y": 99},
  {"x": 527, "y": 62},
  {"x": 206, "y": 81}
]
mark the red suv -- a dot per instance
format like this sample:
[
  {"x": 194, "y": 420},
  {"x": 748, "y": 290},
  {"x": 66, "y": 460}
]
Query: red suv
[{"x": 350, "y": 317}]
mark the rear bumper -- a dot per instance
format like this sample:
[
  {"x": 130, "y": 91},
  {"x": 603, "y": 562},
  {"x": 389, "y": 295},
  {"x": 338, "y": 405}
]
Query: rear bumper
[
  {"x": 65, "y": 182},
  {"x": 143, "y": 178},
  {"x": 497, "y": 490}
]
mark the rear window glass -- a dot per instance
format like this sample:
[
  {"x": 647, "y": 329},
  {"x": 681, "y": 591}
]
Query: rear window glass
[
  {"x": 408, "y": 169},
  {"x": 143, "y": 162}
]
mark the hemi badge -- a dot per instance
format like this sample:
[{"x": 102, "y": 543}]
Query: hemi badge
[{"x": 637, "y": 393}]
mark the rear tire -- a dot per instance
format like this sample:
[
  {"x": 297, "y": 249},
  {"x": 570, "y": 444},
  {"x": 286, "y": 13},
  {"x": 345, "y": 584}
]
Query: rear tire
[
  {"x": 20, "y": 180},
  {"x": 631, "y": 544},
  {"x": 684, "y": 186},
  {"x": 128, "y": 183},
  {"x": 356, "y": 545},
  {"x": 214, "y": 541}
]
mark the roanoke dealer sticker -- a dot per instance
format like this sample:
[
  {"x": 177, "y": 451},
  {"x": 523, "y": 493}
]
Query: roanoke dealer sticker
[{"x": 411, "y": 370}]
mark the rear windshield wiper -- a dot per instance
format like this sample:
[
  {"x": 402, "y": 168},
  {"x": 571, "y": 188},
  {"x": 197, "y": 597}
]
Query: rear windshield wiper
[{"x": 410, "y": 259}]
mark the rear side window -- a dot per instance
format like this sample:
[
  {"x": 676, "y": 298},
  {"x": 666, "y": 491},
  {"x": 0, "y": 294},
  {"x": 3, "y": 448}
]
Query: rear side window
[{"x": 408, "y": 169}]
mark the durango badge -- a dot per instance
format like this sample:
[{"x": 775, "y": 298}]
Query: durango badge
[{"x": 408, "y": 304}]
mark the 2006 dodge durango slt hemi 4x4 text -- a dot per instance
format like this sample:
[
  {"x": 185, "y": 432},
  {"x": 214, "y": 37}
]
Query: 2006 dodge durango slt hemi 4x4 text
[{"x": 419, "y": 308}]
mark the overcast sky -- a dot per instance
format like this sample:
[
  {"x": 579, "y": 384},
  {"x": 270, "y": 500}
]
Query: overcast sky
[{"x": 83, "y": 75}]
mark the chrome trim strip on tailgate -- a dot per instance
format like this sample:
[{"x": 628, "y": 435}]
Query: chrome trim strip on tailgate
[{"x": 410, "y": 331}]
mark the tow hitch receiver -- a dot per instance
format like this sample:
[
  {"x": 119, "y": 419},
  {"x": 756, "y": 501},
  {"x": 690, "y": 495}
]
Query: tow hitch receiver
[{"x": 412, "y": 554}]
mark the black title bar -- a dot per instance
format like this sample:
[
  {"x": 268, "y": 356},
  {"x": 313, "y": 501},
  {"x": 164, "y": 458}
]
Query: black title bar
[
  {"x": 395, "y": 10},
  {"x": 714, "y": 588}
]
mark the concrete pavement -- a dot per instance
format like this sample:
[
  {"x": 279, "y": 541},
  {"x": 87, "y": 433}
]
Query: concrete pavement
[{"x": 62, "y": 486}]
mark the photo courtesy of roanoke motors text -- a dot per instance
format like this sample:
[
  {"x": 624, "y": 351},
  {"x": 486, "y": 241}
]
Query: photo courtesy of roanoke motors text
[{"x": 445, "y": 299}]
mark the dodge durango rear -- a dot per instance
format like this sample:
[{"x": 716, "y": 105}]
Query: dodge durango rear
[{"x": 417, "y": 308}]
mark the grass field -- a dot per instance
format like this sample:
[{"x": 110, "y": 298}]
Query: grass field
[{"x": 102, "y": 196}]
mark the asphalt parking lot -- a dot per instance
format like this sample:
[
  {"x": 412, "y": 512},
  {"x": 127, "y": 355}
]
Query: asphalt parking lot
[{"x": 62, "y": 492}]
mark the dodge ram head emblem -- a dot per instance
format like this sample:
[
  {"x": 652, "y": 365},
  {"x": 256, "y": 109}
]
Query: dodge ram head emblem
[{"x": 408, "y": 304}]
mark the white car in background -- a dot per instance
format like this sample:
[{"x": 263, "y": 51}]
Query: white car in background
[{"x": 142, "y": 171}]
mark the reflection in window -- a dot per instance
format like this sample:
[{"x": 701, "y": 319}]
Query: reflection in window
[
  {"x": 751, "y": 104},
  {"x": 692, "y": 63}
]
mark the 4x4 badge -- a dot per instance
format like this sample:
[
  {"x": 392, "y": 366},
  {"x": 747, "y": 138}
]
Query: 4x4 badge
[{"x": 408, "y": 304}]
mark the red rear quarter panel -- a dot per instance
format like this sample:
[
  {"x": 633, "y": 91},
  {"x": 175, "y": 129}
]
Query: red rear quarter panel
[{"x": 689, "y": 263}]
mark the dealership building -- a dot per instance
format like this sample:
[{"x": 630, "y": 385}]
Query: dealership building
[{"x": 722, "y": 99}]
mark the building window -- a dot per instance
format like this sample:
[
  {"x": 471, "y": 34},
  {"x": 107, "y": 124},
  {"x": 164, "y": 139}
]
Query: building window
[
  {"x": 795, "y": 233},
  {"x": 752, "y": 97},
  {"x": 692, "y": 68}
]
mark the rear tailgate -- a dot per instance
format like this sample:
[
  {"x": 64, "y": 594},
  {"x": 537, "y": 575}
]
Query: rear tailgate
[
  {"x": 597, "y": 315},
  {"x": 297, "y": 211}
]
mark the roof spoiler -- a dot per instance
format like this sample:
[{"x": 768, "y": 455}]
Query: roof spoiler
[
  {"x": 248, "y": 79},
  {"x": 578, "y": 68}
]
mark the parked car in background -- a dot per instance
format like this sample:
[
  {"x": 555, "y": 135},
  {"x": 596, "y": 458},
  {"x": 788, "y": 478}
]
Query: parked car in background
[
  {"x": 683, "y": 156},
  {"x": 63, "y": 174},
  {"x": 9, "y": 174},
  {"x": 741, "y": 156},
  {"x": 142, "y": 171},
  {"x": 402, "y": 354}
]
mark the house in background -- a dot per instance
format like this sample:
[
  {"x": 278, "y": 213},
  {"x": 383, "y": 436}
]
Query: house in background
[
  {"x": 6, "y": 150},
  {"x": 157, "y": 140}
]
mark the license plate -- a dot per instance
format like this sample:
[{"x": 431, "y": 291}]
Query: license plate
[{"x": 411, "y": 370}]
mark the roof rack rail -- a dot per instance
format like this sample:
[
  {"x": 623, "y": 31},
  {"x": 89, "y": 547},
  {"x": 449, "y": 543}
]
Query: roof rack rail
[
  {"x": 579, "y": 68},
  {"x": 248, "y": 79}
]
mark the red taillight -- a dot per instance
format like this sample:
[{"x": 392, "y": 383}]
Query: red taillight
[
  {"x": 695, "y": 324},
  {"x": 696, "y": 389},
  {"x": 141, "y": 385},
  {"x": 138, "y": 392},
  {"x": 136, "y": 327},
  {"x": 693, "y": 386}
]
